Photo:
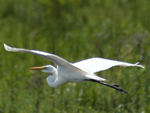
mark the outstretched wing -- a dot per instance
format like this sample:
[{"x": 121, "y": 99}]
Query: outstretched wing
[
  {"x": 93, "y": 65},
  {"x": 54, "y": 58}
]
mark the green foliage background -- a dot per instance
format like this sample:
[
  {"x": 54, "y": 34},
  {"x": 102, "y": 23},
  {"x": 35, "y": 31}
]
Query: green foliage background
[{"x": 75, "y": 30}]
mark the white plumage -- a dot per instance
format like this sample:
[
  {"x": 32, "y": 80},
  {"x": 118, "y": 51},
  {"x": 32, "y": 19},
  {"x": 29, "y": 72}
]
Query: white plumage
[{"x": 78, "y": 72}]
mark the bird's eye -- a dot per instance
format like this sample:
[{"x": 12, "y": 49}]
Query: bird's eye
[
  {"x": 44, "y": 67},
  {"x": 50, "y": 74}
]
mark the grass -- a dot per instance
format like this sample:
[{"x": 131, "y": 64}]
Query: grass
[{"x": 74, "y": 30}]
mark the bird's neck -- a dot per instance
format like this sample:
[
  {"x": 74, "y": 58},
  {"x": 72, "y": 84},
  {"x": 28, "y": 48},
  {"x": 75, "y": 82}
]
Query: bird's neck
[
  {"x": 55, "y": 80},
  {"x": 52, "y": 77}
]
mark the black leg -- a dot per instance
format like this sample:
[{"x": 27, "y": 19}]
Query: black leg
[{"x": 112, "y": 86}]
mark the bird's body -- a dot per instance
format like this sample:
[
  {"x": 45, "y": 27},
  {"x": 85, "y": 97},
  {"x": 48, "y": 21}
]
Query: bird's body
[
  {"x": 65, "y": 74},
  {"x": 77, "y": 72}
]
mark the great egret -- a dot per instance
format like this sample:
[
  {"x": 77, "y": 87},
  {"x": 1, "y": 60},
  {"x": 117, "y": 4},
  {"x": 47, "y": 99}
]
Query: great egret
[{"x": 81, "y": 71}]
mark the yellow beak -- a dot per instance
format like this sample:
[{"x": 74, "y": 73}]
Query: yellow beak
[{"x": 37, "y": 68}]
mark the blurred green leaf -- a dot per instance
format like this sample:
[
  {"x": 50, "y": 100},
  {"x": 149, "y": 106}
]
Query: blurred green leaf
[{"x": 75, "y": 30}]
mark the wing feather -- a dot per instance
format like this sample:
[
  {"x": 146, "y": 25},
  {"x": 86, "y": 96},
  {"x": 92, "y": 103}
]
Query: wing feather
[
  {"x": 54, "y": 58},
  {"x": 93, "y": 65}
]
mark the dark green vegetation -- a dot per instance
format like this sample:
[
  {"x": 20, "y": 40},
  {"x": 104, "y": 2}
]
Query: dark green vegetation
[{"x": 75, "y": 30}]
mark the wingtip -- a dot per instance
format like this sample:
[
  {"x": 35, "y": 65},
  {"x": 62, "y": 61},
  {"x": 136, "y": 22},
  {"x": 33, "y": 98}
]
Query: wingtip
[
  {"x": 140, "y": 65},
  {"x": 5, "y": 46}
]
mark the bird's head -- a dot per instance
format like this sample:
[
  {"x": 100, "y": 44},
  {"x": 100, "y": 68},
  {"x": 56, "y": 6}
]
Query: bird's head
[{"x": 47, "y": 69}]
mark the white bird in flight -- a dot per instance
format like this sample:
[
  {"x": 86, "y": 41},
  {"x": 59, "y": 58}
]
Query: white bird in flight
[{"x": 81, "y": 71}]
